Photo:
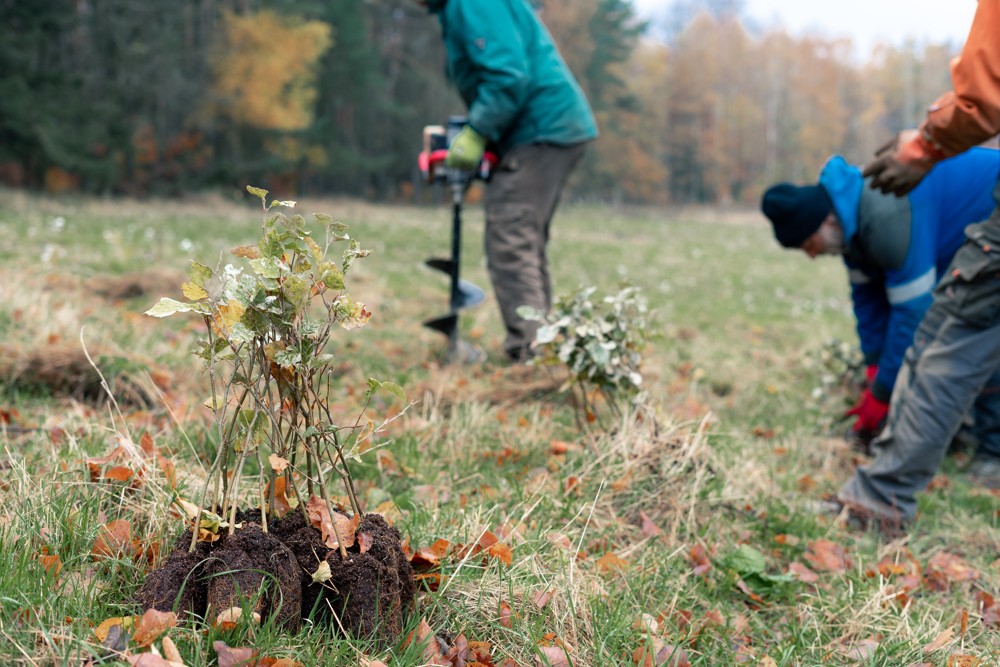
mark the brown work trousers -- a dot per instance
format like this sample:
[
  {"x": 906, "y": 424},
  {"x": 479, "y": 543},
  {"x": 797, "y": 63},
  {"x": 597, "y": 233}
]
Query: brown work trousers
[{"x": 520, "y": 201}]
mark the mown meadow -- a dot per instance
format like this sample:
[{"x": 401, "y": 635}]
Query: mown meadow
[{"x": 683, "y": 534}]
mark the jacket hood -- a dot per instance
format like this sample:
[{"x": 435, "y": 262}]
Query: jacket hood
[{"x": 843, "y": 183}]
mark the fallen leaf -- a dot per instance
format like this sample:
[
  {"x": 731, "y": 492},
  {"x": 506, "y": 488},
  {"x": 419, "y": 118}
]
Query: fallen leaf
[
  {"x": 943, "y": 638},
  {"x": 963, "y": 660},
  {"x": 862, "y": 649},
  {"x": 278, "y": 662},
  {"x": 506, "y": 615},
  {"x": 430, "y": 557},
  {"x": 610, "y": 562},
  {"x": 542, "y": 598},
  {"x": 102, "y": 630},
  {"x": 945, "y": 569},
  {"x": 150, "y": 660},
  {"x": 552, "y": 656},
  {"x": 153, "y": 624},
  {"x": 502, "y": 553},
  {"x": 322, "y": 573},
  {"x": 365, "y": 541},
  {"x": 990, "y": 609},
  {"x": 278, "y": 463},
  {"x": 51, "y": 563},
  {"x": 700, "y": 562},
  {"x": 227, "y": 619},
  {"x": 767, "y": 661},
  {"x": 233, "y": 656},
  {"x": 827, "y": 556},
  {"x": 649, "y": 529},
  {"x": 170, "y": 651},
  {"x": 803, "y": 573},
  {"x": 331, "y": 527},
  {"x": 113, "y": 540}
]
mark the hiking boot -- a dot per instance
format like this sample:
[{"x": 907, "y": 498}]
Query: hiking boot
[
  {"x": 857, "y": 518},
  {"x": 984, "y": 471}
]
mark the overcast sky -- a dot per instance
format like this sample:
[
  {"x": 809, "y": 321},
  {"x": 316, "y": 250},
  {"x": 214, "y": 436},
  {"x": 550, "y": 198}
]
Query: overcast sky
[{"x": 865, "y": 21}]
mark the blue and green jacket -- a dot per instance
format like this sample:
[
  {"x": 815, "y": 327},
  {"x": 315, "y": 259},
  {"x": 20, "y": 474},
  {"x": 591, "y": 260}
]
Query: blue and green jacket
[
  {"x": 510, "y": 74},
  {"x": 898, "y": 248}
]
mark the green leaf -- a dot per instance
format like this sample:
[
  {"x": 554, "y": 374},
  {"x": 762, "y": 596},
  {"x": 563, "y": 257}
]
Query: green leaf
[
  {"x": 258, "y": 192},
  {"x": 288, "y": 358},
  {"x": 746, "y": 560},
  {"x": 166, "y": 307},
  {"x": 331, "y": 276},
  {"x": 200, "y": 274},
  {"x": 395, "y": 390},
  {"x": 286, "y": 203},
  {"x": 240, "y": 333},
  {"x": 269, "y": 267}
]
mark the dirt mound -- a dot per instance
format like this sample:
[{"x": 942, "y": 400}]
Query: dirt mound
[
  {"x": 369, "y": 591},
  {"x": 61, "y": 369},
  {"x": 140, "y": 284}
]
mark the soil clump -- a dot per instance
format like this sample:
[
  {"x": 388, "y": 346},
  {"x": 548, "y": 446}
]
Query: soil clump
[{"x": 368, "y": 593}]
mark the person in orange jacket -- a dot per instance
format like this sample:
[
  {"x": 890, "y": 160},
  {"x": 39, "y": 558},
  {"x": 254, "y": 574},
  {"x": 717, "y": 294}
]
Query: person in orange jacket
[{"x": 945, "y": 372}]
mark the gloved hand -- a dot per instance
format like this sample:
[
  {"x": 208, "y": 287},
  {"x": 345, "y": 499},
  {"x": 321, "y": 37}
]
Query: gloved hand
[
  {"x": 870, "y": 413},
  {"x": 466, "y": 150},
  {"x": 902, "y": 163}
]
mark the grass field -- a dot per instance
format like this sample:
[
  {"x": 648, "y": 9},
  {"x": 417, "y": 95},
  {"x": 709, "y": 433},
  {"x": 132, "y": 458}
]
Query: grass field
[{"x": 689, "y": 529}]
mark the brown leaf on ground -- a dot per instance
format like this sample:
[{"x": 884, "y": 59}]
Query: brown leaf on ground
[
  {"x": 944, "y": 569},
  {"x": 114, "y": 540},
  {"x": 944, "y": 638},
  {"x": 560, "y": 540},
  {"x": 649, "y": 529},
  {"x": 365, "y": 541},
  {"x": 52, "y": 564},
  {"x": 827, "y": 556},
  {"x": 153, "y": 624},
  {"x": 373, "y": 663},
  {"x": 803, "y": 573},
  {"x": 610, "y": 562},
  {"x": 423, "y": 635},
  {"x": 102, "y": 630},
  {"x": 170, "y": 651},
  {"x": 542, "y": 598},
  {"x": 430, "y": 557},
  {"x": 234, "y": 656},
  {"x": 860, "y": 650},
  {"x": 150, "y": 660},
  {"x": 920, "y": 664},
  {"x": 552, "y": 656},
  {"x": 990, "y": 609},
  {"x": 506, "y": 615},
  {"x": 282, "y": 502},
  {"x": 700, "y": 562},
  {"x": 278, "y": 662},
  {"x": 558, "y": 447},
  {"x": 963, "y": 660},
  {"x": 656, "y": 653},
  {"x": 331, "y": 527},
  {"x": 502, "y": 553}
]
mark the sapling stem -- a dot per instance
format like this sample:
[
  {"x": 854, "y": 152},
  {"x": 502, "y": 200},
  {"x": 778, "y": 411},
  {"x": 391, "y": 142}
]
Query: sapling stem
[{"x": 236, "y": 490}]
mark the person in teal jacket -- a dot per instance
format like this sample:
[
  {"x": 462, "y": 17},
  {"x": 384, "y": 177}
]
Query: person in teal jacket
[
  {"x": 895, "y": 251},
  {"x": 524, "y": 104}
]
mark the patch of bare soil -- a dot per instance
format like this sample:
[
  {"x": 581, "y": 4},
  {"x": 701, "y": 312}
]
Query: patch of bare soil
[
  {"x": 62, "y": 369},
  {"x": 368, "y": 593}
]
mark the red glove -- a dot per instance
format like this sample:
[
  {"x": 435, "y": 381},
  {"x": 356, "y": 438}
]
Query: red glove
[
  {"x": 871, "y": 370},
  {"x": 870, "y": 411}
]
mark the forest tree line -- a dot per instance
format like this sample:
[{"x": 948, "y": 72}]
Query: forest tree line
[{"x": 330, "y": 97}]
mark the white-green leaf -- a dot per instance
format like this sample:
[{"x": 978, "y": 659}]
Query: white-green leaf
[{"x": 166, "y": 307}]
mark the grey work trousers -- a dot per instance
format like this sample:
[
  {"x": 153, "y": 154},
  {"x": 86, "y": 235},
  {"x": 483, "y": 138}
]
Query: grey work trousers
[
  {"x": 520, "y": 200},
  {"x": 955, "y": 355}
]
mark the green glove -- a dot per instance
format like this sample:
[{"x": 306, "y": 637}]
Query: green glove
[{"x": 466, "y": 150}]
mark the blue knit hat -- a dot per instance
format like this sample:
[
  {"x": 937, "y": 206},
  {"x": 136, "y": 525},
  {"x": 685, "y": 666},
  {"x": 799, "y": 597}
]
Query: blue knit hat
[{"x": 796, "y": 211}]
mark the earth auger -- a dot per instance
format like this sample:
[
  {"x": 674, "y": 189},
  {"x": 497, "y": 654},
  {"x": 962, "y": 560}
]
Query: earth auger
[{"x": 463, "y": 294}]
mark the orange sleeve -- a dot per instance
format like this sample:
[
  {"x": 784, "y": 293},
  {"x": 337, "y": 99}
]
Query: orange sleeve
[{"x": 970, "y": 114}]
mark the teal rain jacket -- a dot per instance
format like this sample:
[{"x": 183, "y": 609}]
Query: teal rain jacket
[
  {"x": 510, "y": 74},
  {"x": 898, "y": 248}
]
